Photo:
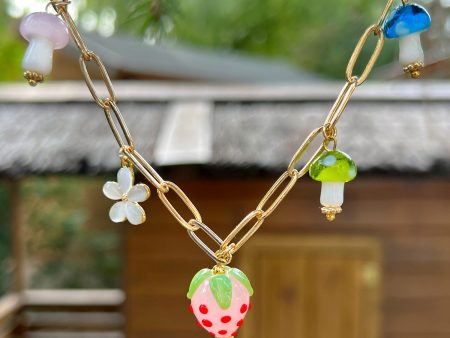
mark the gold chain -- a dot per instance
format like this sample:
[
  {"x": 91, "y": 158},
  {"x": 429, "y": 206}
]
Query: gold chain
[{"x": 230, "y": 244}]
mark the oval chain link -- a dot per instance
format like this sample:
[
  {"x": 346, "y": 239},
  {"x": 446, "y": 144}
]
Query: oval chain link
[
  {"x": 60, "y": 7},
  {"x": 376, "y": 30},
  {"x": 257, "y": 215},
  {"x": 180, "y": 193},
  {"x": 112, "y": 106},
  {"x": 338, "y": 108},
  {"x": 293, "y": 176},
  {"x": 301, "y": 150},
  {"x": 211, "y": 234},
  {"x": 145, "y": 168},
  {"x": 105, "y": 76},
  {"x": 385, "y": 12},
  {"x": 328, "y": 129}
]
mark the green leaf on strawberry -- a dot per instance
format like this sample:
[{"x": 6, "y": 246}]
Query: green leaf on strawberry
[
  {"x": 198, "y": 279},
  {"x": 222, "y": 290},
  {"x": 241, "y": 277},
  {"x": 220, "y": 285}
]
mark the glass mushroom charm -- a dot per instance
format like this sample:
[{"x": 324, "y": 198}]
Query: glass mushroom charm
[
  {"x": 45, "y": 32},
  {"x": 333, "y": 168},
  {"x": 220, "y": 299},
  {"x": 406, "y": 22}
]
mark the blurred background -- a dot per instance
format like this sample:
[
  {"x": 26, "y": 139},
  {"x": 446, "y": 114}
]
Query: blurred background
[{"x": 218, "y": 96}]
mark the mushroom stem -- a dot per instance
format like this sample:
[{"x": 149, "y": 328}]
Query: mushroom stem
[
  {"x": 332, "y": 194},
  {"x": 332, "y": 197},
  {"x": 411, "y": 51},
  {"x": 38, "y": 57}
]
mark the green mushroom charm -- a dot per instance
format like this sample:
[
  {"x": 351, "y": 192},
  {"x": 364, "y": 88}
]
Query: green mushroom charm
[
  {"x": 333, "y": 168},
  {"x": 220, "y": 299}
]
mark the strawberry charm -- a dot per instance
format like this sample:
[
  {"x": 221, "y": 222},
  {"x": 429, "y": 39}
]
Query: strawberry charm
[{"x": 220, "y": 299}]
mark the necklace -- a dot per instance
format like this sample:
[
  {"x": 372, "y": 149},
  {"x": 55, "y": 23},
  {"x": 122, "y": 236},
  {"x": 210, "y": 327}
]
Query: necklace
[{"x": 220, "y": 297}]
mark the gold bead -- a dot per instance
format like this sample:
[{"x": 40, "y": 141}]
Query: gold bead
[
  {"x": 415, "y": 74},
  {"x": 330, "y": 212},
  {"x": 33, "y": 78},
  {"x": 331, "y": 216},
  {"x": 414, "y": 69}
]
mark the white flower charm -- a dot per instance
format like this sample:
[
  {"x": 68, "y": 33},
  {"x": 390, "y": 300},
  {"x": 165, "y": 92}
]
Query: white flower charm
[{"x": 128, "y": 197}]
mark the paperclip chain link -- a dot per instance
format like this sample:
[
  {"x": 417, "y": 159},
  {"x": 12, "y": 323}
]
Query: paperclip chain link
[{"x": 289, "y": 178}]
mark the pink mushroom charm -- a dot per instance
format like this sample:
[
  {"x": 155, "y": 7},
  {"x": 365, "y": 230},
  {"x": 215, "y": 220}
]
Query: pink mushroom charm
[
  {"x": 45, "y": 32},
  {"x": 220, "y": 299}
]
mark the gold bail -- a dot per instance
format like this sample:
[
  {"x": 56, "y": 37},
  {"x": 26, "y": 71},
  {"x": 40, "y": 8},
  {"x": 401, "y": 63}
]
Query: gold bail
[{"x": 218, "y": 269}]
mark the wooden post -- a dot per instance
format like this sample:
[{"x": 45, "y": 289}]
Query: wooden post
[
  {"x": 18, "y": 253},
  {"x": 17, "y": 240}
]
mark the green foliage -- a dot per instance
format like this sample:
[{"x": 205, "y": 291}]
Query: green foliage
[
  {"x": 11, "y": 48},
  {"x": 316, "y": 35},
  {"x": 64, "y": 248},
  {"x": 5, "y": 240}
]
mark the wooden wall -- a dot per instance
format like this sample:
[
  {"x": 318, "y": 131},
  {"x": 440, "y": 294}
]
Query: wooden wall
[
  {"x": 408, "y": 216},
  {"x": 313, "y": 287}
]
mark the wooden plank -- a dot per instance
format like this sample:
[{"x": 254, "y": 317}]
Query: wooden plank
[
  {"x": 198, "y": 333},
  {"x": 314, "y": 287},
  {"x": 418, "y": 249},
  {"x": 17, "y": 237},
  {"x": 9, "y": 306},
  {"x": 361, "y": 216},
  {"x": 418, "y": 268},
  {"x": 398, "y": 187},
  {"x": 70, "y": 321},
  {"x": 284, "y": 313},
  {"x": 330, "y": 305},
  {"x": 164, "y": 283},
  {"x": 417, "y": 315},
  {"x": 411, "y": 222},
  {"x": 417, "y": 284},
  {"x": 73, "y": 298},
  {"x": 335, "y": 245},
  {"x": 406, "y": 216},
  {"x": 428, "y": 334},
  {"x": 76, "y": 334},
  {"x": 158, "y": 312}
]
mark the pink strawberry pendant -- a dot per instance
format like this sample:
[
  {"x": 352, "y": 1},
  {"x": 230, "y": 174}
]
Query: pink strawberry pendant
[{"x": 220, "y": 299}]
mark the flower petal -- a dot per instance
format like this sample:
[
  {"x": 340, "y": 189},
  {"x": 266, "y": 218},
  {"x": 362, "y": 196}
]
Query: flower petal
[
  {"x": 139, "y": 193},
  {"x": 112, "y": 191},
  {"x": 118, "y": 213},
  {"x": 135, "y": 213},
  {"x": 125, "y": 178}
]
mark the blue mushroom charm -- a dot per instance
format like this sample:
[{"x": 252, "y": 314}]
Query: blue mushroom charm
[{"x": 405, "y": 23}]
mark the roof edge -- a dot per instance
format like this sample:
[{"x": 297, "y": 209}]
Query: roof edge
[{"x": 154, "y": 91}]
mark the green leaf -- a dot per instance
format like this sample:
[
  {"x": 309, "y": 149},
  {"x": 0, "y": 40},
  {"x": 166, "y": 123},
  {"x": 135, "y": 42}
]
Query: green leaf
[
  {"x": 198, "y": 279},
  {"x": 241, "y": 277},
  {"x": 222, "y": 290}
]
